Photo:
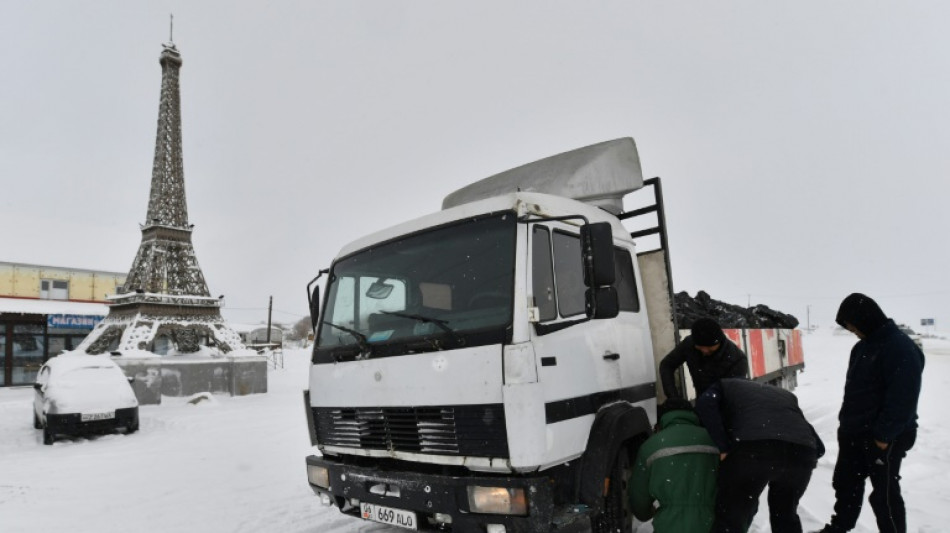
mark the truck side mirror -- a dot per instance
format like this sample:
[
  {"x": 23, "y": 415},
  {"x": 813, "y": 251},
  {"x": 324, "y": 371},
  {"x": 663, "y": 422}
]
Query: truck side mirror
[
  {"x": 314, "y": 299},
  {"x": 597, "y": 245},
  {"x": 602, "y": 302},
  {"x": 315, "y": 307}
]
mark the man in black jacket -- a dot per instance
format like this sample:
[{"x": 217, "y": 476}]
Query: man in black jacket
[
  {"x": 764, "y": 440},
  {"x": 708, "y": 354},
  {"x": 878, "y": 417}
]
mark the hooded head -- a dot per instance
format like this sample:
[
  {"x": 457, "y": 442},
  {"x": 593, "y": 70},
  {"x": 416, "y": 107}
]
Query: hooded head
[
  {"x": 673, "y": 409},
  {"x": 862, "y": 313},
  {"x": 673, "y": 404},
  {"x": 706, "y": 332}
]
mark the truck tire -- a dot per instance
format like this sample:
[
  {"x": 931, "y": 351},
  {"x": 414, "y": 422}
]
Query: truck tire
[{"x": 616, "y": 516}]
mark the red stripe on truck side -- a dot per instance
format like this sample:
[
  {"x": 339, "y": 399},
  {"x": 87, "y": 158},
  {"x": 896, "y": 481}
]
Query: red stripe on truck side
[
  {"x": 735, "y": 336},
  {"x": 756, "y": 353},
  {"x": 796, "y": 355}
]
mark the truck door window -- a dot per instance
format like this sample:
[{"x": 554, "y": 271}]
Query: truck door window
[
  {"x": 569, "y": 274},
  {"x": 626, "y": 284},
  {"x": 542, "y": 273}
]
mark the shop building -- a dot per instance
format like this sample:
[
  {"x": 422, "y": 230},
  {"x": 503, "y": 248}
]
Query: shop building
[{"x": 45, "y": 310}]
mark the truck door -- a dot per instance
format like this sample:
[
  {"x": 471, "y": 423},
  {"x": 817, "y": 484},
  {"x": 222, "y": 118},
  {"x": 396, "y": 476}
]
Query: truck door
[{"x": 581, "y": 364}]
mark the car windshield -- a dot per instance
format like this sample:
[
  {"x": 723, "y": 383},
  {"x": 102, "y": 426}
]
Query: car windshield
[
  {"x": 84, "y": 377},
  {"x": 444, "y": 288}
]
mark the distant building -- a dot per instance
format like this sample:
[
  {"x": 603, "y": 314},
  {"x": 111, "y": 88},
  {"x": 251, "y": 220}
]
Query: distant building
[
  {"x": 254, "y": 336},
  {"x": 45, "y": 310}
]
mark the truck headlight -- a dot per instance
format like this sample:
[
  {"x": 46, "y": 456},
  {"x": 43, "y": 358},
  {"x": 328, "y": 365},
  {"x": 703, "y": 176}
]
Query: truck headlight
[
  {"x": 497, "y": 500},
  {"x": 319, "y": 476}
]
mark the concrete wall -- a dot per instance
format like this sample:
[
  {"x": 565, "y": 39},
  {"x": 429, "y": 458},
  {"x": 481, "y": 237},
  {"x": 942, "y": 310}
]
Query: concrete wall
[
  {"x": 184, "y": 376},
  {"x": 146, "y": 377}
]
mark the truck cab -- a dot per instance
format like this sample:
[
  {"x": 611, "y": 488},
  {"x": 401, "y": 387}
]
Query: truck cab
[{"x": 492, "y": 367}]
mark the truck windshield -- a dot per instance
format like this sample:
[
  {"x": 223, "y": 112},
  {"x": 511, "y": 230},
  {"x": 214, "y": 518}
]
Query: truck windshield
[{"x": 440, "y": 289}]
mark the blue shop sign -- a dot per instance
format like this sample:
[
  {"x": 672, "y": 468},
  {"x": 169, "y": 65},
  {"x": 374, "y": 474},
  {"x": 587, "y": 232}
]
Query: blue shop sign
[{"x": 73, "y": 321}]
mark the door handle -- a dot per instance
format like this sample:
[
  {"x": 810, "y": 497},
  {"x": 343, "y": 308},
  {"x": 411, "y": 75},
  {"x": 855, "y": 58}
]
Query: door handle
[{"x": 612, "y": 356}]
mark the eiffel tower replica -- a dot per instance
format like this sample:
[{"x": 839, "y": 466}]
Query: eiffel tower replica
[{"x": 165, "y": 303}]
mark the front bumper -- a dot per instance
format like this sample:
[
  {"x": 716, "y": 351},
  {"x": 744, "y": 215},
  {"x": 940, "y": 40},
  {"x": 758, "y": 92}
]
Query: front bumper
[
  {"x": 431, "y": 494},
  {"x": 72, "y": 424}
]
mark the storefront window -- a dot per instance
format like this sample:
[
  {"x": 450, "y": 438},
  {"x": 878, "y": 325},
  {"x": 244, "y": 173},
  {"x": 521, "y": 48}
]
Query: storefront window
[
  {"x": 29, "y": 350},
  {"x": 58, "y": 345},
  {"x": 3, "y": 351}
]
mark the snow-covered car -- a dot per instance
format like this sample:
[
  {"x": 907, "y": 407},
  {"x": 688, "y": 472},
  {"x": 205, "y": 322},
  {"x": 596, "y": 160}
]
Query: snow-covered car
[{"x": 82, "y": 394}]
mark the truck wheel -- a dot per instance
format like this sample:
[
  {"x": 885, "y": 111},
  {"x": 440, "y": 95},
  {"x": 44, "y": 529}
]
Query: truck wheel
[
  {"x": 616, "y": 516},
  {"x": 48, "y": 436}
]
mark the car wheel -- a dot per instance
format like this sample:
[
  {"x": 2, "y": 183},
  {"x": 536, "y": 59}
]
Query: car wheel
[
  {"x": 48, "y": 436},
  {"x": 36, "y": 421},
  {"x": 134, "y": 426}
]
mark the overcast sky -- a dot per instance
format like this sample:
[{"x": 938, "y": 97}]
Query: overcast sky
[{"x": 803, "y": 146}]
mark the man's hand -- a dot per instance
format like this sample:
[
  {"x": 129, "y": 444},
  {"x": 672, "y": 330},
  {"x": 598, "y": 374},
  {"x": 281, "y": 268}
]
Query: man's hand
[
  {"x": 880, "y": 445},
  {"x": 722, "y": 456}
]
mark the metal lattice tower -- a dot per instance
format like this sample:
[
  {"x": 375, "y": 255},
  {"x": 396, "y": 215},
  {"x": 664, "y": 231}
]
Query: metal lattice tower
[
  {"x": 165, "y": 295},
  {"x": 166, "y": 262}
]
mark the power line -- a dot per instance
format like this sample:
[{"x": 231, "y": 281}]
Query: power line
[{"x": 264, "y": 309}]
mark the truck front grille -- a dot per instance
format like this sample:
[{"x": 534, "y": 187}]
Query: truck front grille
[{"x": 475, "y": 430}]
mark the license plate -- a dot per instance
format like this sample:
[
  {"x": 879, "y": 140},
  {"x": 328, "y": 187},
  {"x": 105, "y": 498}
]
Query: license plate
[
  {"x": 88, "y": 417},
  {"x": 388, "y": 515}
]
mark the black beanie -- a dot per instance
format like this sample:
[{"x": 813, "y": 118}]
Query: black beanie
[
  {"x": 706, "y": 332},
  {"x": 673, "y": 404},
  {"x": 861, "y": 312}
]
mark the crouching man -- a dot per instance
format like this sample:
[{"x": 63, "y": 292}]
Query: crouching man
[
  {"x": 764, "y": 440},
  {"x": 676, "y": 469}
]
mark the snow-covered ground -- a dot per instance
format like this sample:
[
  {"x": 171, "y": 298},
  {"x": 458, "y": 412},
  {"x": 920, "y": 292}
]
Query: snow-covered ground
[{"x": 237, "y": 464}]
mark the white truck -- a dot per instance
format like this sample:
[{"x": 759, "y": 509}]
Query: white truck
[{"x": 492, "y": 367}]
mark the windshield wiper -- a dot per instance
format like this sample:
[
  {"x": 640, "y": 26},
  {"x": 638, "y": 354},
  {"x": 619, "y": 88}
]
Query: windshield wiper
[
  {"x": 361, "y": 339},
  {"x": 439, "y": 323}
]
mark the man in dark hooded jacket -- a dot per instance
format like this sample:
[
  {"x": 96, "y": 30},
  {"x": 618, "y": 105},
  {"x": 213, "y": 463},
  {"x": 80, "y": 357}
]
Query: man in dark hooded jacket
[
  {"x": 708, "y": 355},
  {"x": 878, "y": 417}
]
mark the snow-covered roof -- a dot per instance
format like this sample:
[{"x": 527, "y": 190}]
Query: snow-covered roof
[
  {"x": 51, "y": 307},
  {"x": 71, "y": 361},
  {"x": 86, "y": 383}
]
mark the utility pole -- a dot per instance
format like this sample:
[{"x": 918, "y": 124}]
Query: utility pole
[
  {"x": 808, "y": 317},
  {"x": 270, "y": 307}
]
